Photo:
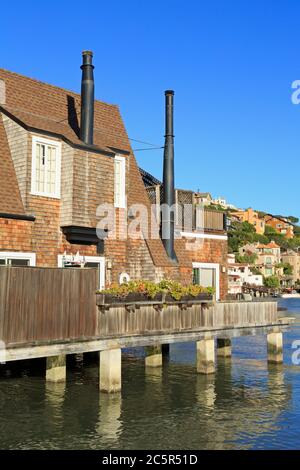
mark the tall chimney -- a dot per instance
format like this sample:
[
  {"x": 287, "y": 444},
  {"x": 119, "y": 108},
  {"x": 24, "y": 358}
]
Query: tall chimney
[
  {"x": 87, "y": 98},
  {"x": 167, "y": 217}
]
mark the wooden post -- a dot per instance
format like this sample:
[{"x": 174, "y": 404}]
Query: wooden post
[
  {"x": 56, "y": 368},
  {"x": 275, "y": 347},
  {"x": 153, "y": 356},
  {"x": 110, "y": 371},
  {"x": 223, "y": 347},
  {"x": 206, "y": 356}
]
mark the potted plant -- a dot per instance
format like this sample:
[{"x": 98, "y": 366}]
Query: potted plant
[{"x": 166, "y": 291}]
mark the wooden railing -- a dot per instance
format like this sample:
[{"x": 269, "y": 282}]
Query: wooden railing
[{"x": 214, "y": 220}]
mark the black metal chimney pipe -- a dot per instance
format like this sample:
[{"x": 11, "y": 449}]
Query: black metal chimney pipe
[
  {"x": 87, "y": 98},
  {"x": 167, "y": 223}
]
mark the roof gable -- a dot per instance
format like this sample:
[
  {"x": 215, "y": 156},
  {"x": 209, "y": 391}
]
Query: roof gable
[{"x": 55, "y": 110}]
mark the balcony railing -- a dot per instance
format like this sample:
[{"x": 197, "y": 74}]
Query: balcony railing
[{"x": 189, "y": 215}]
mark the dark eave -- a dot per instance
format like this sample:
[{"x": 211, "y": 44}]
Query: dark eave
[
  {"x": 83, "y": 146},
  {"x": 5, "y": 215},
  {"x": 84, "y": 235}
]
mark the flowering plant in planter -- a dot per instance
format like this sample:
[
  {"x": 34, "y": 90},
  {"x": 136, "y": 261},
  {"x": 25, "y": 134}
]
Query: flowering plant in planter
[{"x": 164, "y": 290}]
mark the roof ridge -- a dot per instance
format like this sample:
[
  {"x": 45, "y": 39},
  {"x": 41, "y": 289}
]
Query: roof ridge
[{"x": 54, "y": 86}]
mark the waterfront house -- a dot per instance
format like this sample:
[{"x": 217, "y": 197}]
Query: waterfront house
[{"x": 62, "y": 156}]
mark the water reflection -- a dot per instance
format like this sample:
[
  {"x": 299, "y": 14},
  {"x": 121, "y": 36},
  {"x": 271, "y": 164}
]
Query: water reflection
[
  {"x": 206, "y": 391},
  {"x": 109, "y": 423},
  {"x": 54, "y": 401}
]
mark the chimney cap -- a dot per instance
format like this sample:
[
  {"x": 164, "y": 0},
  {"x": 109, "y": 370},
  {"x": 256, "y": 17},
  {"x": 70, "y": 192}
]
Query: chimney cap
[
  {"x": 87, "y": 53},
  {"x": 169, "y": 92}
]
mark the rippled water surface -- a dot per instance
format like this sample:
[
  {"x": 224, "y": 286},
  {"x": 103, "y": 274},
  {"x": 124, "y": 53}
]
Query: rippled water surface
[{"x": 245, "y": 405}]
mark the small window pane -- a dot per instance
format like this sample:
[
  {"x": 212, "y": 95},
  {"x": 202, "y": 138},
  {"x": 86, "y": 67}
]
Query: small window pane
[
  {"x": 207, "y": 277},
  {"x": 196, "y": 276},
  {"x": 18, "y": 262},
  {"x": 91, "y": 265},
  {"x": 46, "y": 169},
  {"x": 2, "y": 261}
]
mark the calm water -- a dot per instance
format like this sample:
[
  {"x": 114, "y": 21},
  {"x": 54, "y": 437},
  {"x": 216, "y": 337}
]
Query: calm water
[{"x": 246, "y": 405}]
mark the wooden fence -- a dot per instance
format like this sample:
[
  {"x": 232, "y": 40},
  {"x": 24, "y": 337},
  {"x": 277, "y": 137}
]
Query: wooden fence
[{"x": 45, "y": 304}]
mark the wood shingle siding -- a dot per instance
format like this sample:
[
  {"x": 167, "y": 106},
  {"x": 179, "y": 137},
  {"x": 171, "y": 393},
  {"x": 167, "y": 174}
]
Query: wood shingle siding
[{"x": 10, "y": 197}]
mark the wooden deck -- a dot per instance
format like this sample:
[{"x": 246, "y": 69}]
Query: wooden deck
[{"x": 46, "y": 312}]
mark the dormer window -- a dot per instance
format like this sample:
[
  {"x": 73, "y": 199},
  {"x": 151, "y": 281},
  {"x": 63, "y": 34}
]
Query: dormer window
[{"x": 45, "y": 175}]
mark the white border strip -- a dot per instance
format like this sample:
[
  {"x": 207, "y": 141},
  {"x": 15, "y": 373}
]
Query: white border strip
[
  {"x": 203, "y": 235},
  {"x": 19, "y": 255},
  {"x": 90, "y": 259}
]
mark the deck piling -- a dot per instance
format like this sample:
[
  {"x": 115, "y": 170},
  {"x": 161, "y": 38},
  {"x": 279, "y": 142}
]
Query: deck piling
[
  {"x": 56, "y": 368},
  {"x": 153, "y": 356},
  {"x": 223, "y": 347},
  {"x": 275, "y": 347},
  {"x": 206, "y": 356},
  {"x": 110, "y": 371}
]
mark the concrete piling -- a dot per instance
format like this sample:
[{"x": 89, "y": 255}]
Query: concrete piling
[
  {"x": 153, "y": 356},
  {"x": 56, "y": 368},
  {"x": 224, "y": 347},
  {"x": 110, "y": 371},
  {"x": 206, "y": 356},
  {"x": 275, "y": 347}
]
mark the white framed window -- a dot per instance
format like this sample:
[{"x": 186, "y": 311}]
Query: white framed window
[
  {"x": 46, "y": 163},
  {"x": 120, "y": 181},
  {"x": 13, "y": 258},
  {"x": 97, "y": 262},
  {"x": 207, "y": 275}
]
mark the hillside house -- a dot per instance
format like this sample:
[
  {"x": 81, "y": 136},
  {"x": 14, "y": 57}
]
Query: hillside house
[
  {"x": 281, "y": 225},
  {"x": 268, "y": 257},
  {"x": 252, "y": 217}
]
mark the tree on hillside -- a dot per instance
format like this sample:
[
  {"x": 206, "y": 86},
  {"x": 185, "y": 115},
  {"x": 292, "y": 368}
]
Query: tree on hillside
[
  {"x": 281, "y": 240},
  {"x": 272, "y": 282},
  {"x": 292, "y": 219},
  {"x": 247, "y": 258},
  {"x": 287, "y": 268},
  {"x": 297, "y": 230},
  {"x": 241, "y": 233}
]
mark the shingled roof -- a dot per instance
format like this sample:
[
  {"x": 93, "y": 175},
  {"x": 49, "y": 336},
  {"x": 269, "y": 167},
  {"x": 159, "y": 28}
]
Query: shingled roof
[{"x": 48, "y": 108}]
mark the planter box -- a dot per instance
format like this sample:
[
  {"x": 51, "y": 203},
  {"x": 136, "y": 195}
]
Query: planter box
[{"x": 132, "y": 298}]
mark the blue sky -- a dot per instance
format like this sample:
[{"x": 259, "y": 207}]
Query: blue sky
[{"x": 230, "y": 62}]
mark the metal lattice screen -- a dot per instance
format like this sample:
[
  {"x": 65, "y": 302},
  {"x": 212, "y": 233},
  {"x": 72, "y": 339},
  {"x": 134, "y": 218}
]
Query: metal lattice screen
[{"x": 184, "y": 209}]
